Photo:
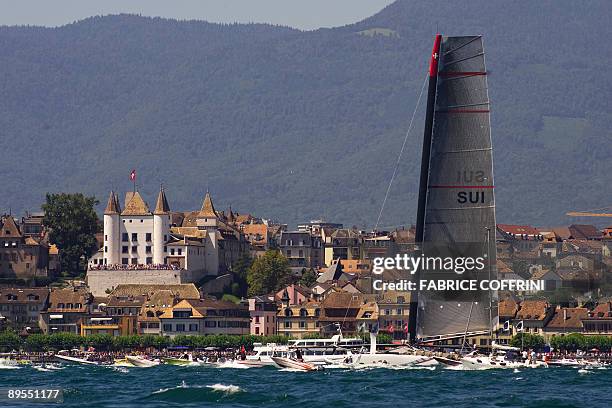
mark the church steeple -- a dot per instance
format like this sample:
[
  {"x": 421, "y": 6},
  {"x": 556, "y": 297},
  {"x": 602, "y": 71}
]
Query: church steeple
[{"x": 162, "y": 206}]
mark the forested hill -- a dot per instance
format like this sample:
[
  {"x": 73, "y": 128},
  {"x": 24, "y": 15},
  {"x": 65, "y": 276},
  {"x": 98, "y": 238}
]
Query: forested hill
[{"x": 296, "y": 125}]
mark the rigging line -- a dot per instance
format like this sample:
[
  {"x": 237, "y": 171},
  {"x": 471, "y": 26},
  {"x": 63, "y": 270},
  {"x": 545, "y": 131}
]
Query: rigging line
[{"x": 399, "y": 156}]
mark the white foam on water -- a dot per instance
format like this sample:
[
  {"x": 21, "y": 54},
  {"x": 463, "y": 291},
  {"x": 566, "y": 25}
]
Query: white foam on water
[
  {"x": 583, "y": 371},
  {"x": 232, "y": 364},
  {"x": 228, "y": 389},
  {"x": 516, "y": 370}
]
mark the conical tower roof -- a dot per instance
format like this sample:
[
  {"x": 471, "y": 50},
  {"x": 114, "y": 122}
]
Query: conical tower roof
[
  {"x": 136, "y": 206},
  {"x": 162, "y": 206},
  {"x": 9, "y": 228},
  {"x": 208, "y": 209},
  {"x": 230, "y": 216},
  {"x": 111, "y": 205}
]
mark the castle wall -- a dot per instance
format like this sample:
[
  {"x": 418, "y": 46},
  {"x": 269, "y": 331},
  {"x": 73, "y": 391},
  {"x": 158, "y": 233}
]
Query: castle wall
[{"x": 101, "y": 280}]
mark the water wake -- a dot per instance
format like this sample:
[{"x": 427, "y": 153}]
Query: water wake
[{"x": 228, "y": 389}]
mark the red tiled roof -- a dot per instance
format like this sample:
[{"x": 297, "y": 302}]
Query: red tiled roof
[
  {"x": 567, "y": 318},
  {"x": 533, "y": 310}
]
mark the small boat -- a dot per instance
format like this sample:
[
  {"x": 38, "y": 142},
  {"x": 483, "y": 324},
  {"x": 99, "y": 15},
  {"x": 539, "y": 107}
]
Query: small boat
[
  {"x": 141, "y": 361},
  {"x": 285, "y": 362},
  {"x": 77, "y": 360},
  {"x": 122, "y": 362},
  {"x": 252, "y": 363},
  {"x": 185, "y": 360},
  {"x": 8, "y": 363}
]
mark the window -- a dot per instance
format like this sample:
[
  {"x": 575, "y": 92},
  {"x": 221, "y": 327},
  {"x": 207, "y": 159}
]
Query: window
[
  {"x": 171, "y": 251},
  {"x": 148, "y": 237},
  {"x": 287, "y": 325},
  {"x": 124, "y": 249},
  {"x": 180, "y": 251},
  {"x": 134, "y": 249},
  {"x": 134, "y": 237},
  {"x": 256, "y": 319},
  {"x": 150, "y": 314},
  {"x": 124, "y": 237},
  {"x": 149, "y": 260},
  {"x": 105, "y": 237},
  {"x": 124, "y": 261},
  {"x": 167, "y": 327},
  {"x": 303, "y": 313},
  {"x": 165, "y": 249},
  {"x": 134, "y": 261},
  {"x": 257, "y": 330},
  {"x": 302, "y": 324},
  {"x": 105, "y": 248},
  {"x": 180, "y": 327},
  {"x": 301, "y": 253},
  {"x": 288, "y": 253},
  {"x": 193, "y": 327}
]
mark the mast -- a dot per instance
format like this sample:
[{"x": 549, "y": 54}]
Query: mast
[{"x": 425, "y": 157}]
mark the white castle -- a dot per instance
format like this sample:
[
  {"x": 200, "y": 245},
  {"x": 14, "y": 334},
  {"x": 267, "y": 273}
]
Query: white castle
[{"x": 140, "y": 247}]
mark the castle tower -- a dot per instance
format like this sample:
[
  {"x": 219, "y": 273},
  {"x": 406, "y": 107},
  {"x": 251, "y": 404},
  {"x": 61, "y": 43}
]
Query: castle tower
[
  {"x": 111, "y": 230},
  {"x": 161, "y": 227},
  {"x": 207, "y": 220}
]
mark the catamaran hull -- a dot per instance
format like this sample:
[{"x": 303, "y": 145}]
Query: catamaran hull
[
  {"x": 393, "y": 360},
  {"x": 486, "y": 363}
]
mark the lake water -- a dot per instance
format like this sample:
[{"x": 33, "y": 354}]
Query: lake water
[{"x": 174, "y": 386}]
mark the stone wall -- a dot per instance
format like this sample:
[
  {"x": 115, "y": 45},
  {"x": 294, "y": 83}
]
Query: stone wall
[{"x": 101, "y": 280}]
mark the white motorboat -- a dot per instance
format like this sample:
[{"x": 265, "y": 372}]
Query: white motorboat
[
  {"x": 286, "y": 362},
  {"x": 500, "y": 357},
  {"x": 263, "y": 353},
  {"x": 141, "y": 361},
  {"x": 76, "y": 360},
  {"x": 8, "y": 363}
]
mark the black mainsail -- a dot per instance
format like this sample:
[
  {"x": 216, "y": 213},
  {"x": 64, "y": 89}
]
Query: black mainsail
[{"x": 456, "y": 200}]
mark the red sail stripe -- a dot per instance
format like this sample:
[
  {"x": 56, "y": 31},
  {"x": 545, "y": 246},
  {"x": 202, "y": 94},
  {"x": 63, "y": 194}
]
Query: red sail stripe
[
  {"x": 462, "y": 187},
  {"x": 460, "y": 73}
]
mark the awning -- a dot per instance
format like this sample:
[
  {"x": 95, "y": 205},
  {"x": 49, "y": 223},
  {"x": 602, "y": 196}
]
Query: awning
[
  {"x": 101, "y": 319},
  {"x": 56, "y": 316}
]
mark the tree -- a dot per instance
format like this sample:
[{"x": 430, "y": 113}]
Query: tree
[
  {"x": 309, "y": 277},
  {"x": 72, "y": 223},
  {"x": 9, "y": 341},
  {"x": 241, "y": 270},
  {"x": 527, "y": 341},
  {"x": 268, "y": 273}
]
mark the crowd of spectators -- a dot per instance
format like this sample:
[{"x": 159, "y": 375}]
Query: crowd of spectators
[{"x": 135, "y": 267}]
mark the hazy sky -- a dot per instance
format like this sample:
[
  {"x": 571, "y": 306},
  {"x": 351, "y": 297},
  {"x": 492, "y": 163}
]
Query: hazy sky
[{"x": 303, "y": 14}]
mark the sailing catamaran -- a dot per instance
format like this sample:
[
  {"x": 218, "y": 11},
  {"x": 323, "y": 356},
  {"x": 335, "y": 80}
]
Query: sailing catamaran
[{"x": 456, "y": 208}]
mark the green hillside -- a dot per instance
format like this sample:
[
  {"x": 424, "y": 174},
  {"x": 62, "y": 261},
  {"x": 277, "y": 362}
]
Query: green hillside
[{"x": 296, "y": 125}]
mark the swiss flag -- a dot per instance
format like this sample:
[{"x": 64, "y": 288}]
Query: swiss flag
[
  {"x": 391, "y": 329},
  {"x": 133, "y": 175}
]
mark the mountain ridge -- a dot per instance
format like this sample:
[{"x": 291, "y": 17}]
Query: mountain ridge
[{"x": 293, "y": 124}]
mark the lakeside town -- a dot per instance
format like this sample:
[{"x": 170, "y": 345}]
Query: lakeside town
[{"x": 156, "y": 271}]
